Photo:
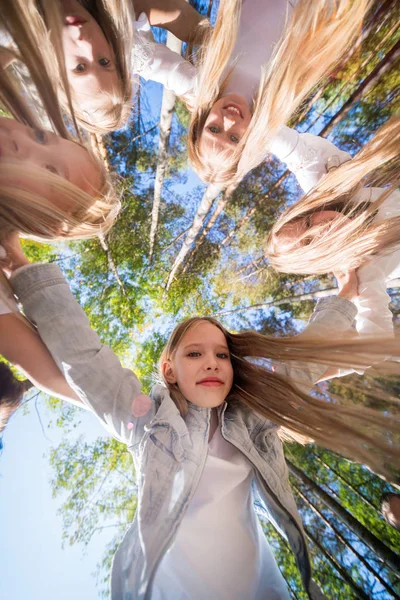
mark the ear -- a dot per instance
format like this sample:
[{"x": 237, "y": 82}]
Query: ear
[{"x": 168, "y": 372}]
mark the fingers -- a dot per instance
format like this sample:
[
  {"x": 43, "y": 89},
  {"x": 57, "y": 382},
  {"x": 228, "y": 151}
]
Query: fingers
[{"x": 11, "y": 254}]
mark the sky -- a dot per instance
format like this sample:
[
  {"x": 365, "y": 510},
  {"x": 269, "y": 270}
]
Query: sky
[{"x": 33, "y": 564}]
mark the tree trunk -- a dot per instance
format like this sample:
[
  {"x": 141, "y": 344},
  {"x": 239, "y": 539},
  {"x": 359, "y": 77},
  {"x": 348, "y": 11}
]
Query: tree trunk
[
  {"x": 218, "y": 210},
  {"x": 338, "y": 567},
  {"x": 209, "y": 196},
  {"x": 299, "y": 298},
  {"x": 381, "y": 68},
  {"x": 111, "y": 263},
  {"x": 344, "y": 480},
  {"x": 385, "y": 554},
  {"x": 372, "y": 27},
  {"x": 347, "y": 544},
  {"x": 167, "y": 111}
]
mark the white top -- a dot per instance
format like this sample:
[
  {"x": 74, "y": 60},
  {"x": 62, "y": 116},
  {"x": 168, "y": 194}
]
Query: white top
[
  {"x": 261, "y": 26},
  {"x": 220, "y": 551},
  {"x": 374, "y": 315},
  {"x": 309, "y": 161}
]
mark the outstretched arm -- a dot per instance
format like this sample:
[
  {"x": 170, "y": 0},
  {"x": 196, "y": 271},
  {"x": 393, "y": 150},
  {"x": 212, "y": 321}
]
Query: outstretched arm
[
  {"x": 309, "y": 157},
  {"x": 177, "y": 16},
  {"x": 91, "y": 369},
  {"x": 22, "y": 346}
]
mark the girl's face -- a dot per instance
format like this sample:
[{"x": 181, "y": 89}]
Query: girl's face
[
  {"x": 88, "y": 56},
  {"x": 30, "y": 147},
  {"x": 295, "y": 234},
  {"x": 201, "y": 366},
  {"x": 225, "y": 125}
]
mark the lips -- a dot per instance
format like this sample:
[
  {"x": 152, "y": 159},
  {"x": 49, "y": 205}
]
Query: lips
[
  {"x": 234, "y": 109},
  {"x": 210, "y": 382},
  {"x": 75, "y": 20}
]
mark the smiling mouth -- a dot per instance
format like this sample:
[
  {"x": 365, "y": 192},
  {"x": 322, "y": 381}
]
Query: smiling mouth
[{"x": 234, "y": 109}]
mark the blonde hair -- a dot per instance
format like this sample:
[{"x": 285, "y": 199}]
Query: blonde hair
[
  {"x": 355, "y": 234},
  {"x": 357, "y": 432},
  {"x": 24, "y": 211},
  {"x": 115, "y": 18},
  {"x": 315, "y": 37}
]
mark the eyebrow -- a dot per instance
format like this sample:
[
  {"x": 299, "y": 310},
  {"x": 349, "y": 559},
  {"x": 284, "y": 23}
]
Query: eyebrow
[{"x": 201, "y": 345}]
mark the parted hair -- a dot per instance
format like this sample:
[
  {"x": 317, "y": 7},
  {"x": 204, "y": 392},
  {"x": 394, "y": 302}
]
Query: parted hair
[
  {"x": 355, "y": 235},
  {"x": 357, "y": 432},
  {"x": 315, "y": 37}
]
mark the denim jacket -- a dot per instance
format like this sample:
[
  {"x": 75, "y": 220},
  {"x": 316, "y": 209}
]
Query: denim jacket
[{"x": 169, "y": 451}]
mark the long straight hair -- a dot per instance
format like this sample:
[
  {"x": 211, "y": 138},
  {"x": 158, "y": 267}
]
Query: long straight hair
[
  {"x": 315, "y": 37},
  {"x": 115, "y": 18},
  {"x": 20, "y": 209},
  {"x": 357, "y": 432},
  {"x": 355, "y": 235}
]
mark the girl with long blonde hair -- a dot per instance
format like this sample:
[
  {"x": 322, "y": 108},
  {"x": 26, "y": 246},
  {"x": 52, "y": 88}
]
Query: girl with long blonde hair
[
  {"x": 345, "y": 222},
  {"x": 205, "y": 444},
  {"x": 260, "y": 62},
  {"x": 94, "y": 55},
  {"x": 52, "y": 186}
]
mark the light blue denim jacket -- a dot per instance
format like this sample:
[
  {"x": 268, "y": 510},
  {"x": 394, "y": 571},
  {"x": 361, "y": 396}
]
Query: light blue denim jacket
[{"x": 169, "y": 451}]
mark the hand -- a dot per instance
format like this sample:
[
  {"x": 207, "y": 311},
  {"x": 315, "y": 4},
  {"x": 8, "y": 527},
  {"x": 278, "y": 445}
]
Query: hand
[
  {"x": 11, "y": 254},
  {"x": 347, "y": 284}
]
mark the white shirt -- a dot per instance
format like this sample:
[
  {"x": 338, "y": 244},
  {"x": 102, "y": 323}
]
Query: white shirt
[
  {"x": 220, "y": 551},
  {"x": 261, "y": 26},
  {"x": 374, "y": 316}
]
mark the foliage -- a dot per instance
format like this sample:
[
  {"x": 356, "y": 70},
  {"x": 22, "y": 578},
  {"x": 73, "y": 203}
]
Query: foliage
[{"x": 125, "y": 298}]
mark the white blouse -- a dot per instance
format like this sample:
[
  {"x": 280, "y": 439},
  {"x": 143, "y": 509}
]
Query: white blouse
[
  {"x": 220, "y": 550},
  {"x": 261, "y": 26}
]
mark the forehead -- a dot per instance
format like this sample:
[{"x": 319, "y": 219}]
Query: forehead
[{"x": 203, "y": 332}]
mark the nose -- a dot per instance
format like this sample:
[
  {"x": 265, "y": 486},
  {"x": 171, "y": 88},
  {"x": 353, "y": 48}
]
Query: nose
[
  {"x": 229, "y": 122},
  {"x": 212, "y": 364},
  {"x": 75, "y": 32}
]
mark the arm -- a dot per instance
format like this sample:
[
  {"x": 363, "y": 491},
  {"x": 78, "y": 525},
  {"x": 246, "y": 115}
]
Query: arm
[
  {"x": 22, "y": 346},
  {"x": 177, "y": 16},
  {"x": 308, "y": 156},
  {"x": 374, "y": 315},
  {"x": 91, "y": 369},
  {"x": 157, "y": 62},
  {"x": 334, "y": 314}
]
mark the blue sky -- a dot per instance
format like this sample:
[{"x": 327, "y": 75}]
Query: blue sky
[{"x": 32, "y": 563}]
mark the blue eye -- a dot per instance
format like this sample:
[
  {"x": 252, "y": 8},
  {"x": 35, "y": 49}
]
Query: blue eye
[
  {"x": 40, "y": 136},
  {"x": 214, "y": 129}
]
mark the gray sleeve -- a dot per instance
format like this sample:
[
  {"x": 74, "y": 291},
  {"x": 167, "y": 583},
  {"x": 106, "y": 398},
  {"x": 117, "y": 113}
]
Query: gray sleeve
[
  {"x": 331, "y": 314},
  {"x": 91, "y": 369}
]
